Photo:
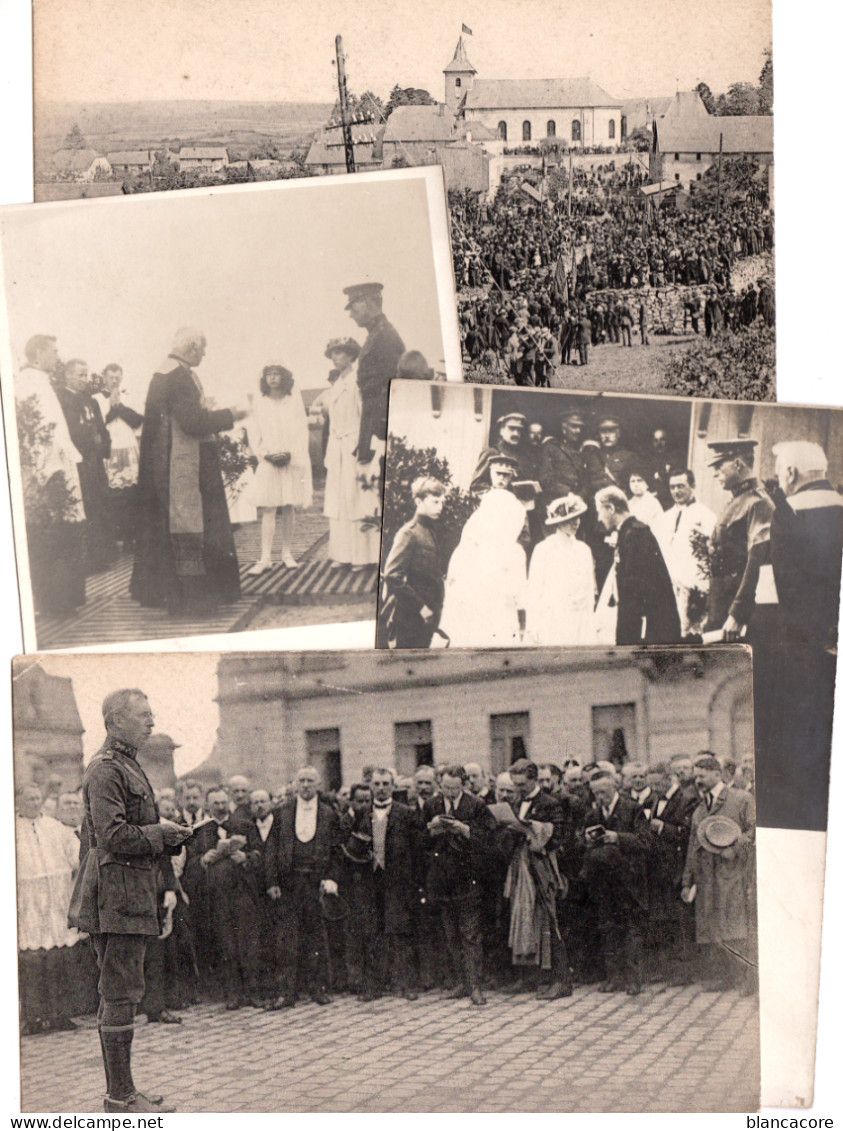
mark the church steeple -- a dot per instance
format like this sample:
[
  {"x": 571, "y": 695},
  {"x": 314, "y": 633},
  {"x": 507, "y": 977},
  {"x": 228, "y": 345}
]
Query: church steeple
[{"x": 459, "y": 76}]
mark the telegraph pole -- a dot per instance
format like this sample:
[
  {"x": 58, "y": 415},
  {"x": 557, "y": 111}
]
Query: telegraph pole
[
  {"x": 719, "y": 170},
  {"x": 348, "y": 140}
]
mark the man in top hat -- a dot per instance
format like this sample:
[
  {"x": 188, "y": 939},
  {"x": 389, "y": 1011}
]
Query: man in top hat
[
  {"x": 740, "y": 543},
  {"x": 377, "y": 363},
  {"x": 647, "y": 612},
  {"x": 413, "y": 576},
  {"x": 507, "y": 440},
  {"x": 721, "y": 866},
  {"x": 115, "y": 897}
]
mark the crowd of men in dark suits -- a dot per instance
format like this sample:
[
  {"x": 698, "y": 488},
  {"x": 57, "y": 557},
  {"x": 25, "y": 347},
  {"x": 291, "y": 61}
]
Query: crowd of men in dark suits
[{"x": 553, "y": 878}]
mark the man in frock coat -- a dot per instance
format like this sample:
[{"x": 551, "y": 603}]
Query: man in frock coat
[
  {"x": 184, "y": 557},
  {"x": 647, "y": 612},
  {"x": 115, "y": 897}
]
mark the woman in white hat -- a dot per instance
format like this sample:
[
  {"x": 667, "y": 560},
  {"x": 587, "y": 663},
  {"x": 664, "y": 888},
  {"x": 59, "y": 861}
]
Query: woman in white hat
[
  {"x": 352, "y": 500},
  {"x": 561, "y": 589}
]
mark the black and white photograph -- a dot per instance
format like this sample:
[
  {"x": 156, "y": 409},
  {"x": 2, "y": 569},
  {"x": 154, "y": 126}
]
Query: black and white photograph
[
  {"x": 526, "y": 517},
  {"x": 196, "y": 415},
  {"x": 462, "y": 881},
  {"x": 610, "y": 170}
]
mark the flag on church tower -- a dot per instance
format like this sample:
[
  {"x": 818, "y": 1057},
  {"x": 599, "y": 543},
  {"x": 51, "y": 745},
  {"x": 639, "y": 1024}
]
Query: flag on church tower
[{"x": 466, "y": 30}]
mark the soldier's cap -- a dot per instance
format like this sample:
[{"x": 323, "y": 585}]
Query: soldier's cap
[
  {"x": 512, "y": 418},
  {"x": 565, "y": 509},
  {"x": 722, "y": 450},
  {"x": 572, "y": 416},
  {"x": 609, "y": 422},
  {"x": 362, "y": 290},
  {"x": 502, "y": 460}
]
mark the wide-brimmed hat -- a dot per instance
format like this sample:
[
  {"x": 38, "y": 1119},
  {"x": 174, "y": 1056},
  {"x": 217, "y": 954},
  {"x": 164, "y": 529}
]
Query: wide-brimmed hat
[
  {"x": 358, "y": 848},
  {"x": 332, "y": 908},
  {"x": 565, "y": 509},
  {"x": 348, "y": 345},
  {"x": 717, "y": 832}
]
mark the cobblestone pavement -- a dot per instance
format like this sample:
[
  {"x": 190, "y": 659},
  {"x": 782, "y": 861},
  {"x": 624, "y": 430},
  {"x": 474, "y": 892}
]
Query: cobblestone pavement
[{"x": 669, "y": 1050}]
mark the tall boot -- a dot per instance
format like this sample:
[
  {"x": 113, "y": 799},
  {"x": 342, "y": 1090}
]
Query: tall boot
[
  {"x": 102, "y": 1047},
  {"x": 117, "y": 1054}
]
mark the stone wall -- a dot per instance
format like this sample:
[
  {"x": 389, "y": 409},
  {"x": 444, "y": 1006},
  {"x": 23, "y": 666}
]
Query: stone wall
[{"x": 666, "y": 305}]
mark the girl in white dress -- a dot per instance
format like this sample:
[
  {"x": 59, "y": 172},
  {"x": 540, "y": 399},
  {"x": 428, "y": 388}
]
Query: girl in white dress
[
  {"x": 485, "y": 589},
  {"x": 560, "y": 587},
  {"x": 279, "y": 438},
  {"x": 352, "y": 490},
  {"x": 643, "y": 504}
]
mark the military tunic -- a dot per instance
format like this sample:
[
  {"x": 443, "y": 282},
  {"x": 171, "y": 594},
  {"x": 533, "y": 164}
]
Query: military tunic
[
  {"x": 376, "y": 366},
  {"x": 740, "y": 545}
]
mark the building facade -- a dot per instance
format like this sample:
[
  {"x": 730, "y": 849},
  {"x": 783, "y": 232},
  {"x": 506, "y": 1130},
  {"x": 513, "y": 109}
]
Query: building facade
[
  {"x": 47, "y": 727},
  {"x": 343, "y": 711}
]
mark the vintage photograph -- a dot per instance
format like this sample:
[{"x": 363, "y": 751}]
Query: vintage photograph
[
  {"x": 526, "y": 517},
  {"x": 196, "y": 400},
  {"x": 443, "y": 881},
  {"x": 610, "y": 171}
]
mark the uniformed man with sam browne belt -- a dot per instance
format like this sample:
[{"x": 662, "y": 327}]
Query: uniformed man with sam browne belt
[{"x": 115, "y": 898}]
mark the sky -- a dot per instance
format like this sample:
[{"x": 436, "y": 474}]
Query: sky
[
  {"x": 260, "y": 270},
  {"x": 263, "y": 50},
  {"x": 181, "y": 691}
]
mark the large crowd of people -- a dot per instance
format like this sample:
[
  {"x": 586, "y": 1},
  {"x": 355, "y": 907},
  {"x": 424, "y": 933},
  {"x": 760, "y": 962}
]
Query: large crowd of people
[
  {"x": 154, "y": 482},
  {"x": 541, "y": 879},
  {"x": 539, "y": 285}
]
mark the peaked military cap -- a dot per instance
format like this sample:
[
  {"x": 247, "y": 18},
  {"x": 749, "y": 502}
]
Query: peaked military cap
[
  {"x": 738, "y": 448},
  {"x": 362, "y": 290}
]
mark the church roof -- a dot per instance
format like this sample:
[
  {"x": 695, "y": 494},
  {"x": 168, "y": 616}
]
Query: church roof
[
  {"x": 536, "y": 94},
  {"x": 419, "y": 123},
  {"x": 460, "y": 62},
  {"x": 741, "y": 134}
]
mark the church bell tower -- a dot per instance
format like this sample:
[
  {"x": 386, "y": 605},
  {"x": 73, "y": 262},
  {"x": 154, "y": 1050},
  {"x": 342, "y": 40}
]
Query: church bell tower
[{"x": 459, "y": 77}]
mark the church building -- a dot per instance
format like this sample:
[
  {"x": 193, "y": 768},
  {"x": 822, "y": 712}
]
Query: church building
[{"x": 527, "y": 111}]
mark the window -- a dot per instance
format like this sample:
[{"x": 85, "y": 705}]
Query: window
[
  {"x": 676, "y": 156},
  {"x": 699, "y": 157},
  {"x": 413, "y": 746},
  {"x": 502, "y": 131},
  {"x": 676, "y": 176},
  {"x": 551, "y": 128},
  {"x": 458, "y": 82},
  {"x": 576, "y": 130},
  {"x": 324, "y": 753},
  {"x": 510, "y": 739},
  {"x": 526, "y": 132},
  {"x": 699, "y": 176},
  {"x": 624, "y": 127},
  {"x": 613, "y": 733},
  {"x": 611, "y": 128}
]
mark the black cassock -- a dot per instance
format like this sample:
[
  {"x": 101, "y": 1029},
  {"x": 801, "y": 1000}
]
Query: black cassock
[
  {"x": 180, "y": 558},
  {"x": 647, "y": 612}
]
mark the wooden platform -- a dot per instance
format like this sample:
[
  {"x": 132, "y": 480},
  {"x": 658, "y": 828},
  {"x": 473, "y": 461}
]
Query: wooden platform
[{"x": 110, "y": 616}]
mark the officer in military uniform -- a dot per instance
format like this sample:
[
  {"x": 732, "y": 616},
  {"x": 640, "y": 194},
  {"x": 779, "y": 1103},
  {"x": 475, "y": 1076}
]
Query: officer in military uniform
[
  {"x": 563, "y": 468},
  {"x": 376, "y": 365},
  {"x": 740, "y": 544},
  {"x": 507, "y": 441},
  {"x": 115, "y": 898}
]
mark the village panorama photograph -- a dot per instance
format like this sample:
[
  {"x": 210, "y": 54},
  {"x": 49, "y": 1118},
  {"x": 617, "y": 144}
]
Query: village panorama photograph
[{"x": 609, "y": 169}]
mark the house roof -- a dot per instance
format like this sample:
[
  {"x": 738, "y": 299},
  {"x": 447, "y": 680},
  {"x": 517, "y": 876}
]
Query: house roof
[
  {"x": 478, "y": 131},
  {"x": 460, "y": 62},
  {"x": 130, "y": 157},
  {"x": 536, "y": 94},
  {"x": 741, "y": 134},
  {"x": 419, "y": 123},
  {"x": 327, "y": 147},
  {"x": 74, "y": 160},
  {"x": 686, "y": 104},
  {"x": 206, "y": 152}
]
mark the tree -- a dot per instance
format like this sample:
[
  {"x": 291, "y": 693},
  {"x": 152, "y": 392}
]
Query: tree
[
  {"x": 408, "y": 96},
  {"x": 765, "y": 84},
  {"x": 738, "y": 365},
  {"x": 737, "y": 181},
  {"x": 367, "y": 104},
  {"x": 741, "y": 98},
  {"x": 75, "y": 139},
  {"x": 406, "y": 464},
  {"x": 708, "y": 99}
]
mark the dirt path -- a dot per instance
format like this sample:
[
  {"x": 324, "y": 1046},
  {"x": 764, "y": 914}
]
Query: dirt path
[{"x": 621, "y": 369}]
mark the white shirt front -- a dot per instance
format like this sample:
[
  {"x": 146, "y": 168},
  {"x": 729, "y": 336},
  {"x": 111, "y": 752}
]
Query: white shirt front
[
  {"x": 264, "y": 824},
  {"x": 306, "y": 813},
  {"x": 526, "y": 803}
]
